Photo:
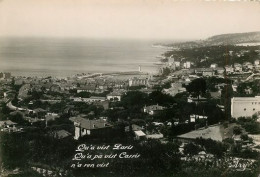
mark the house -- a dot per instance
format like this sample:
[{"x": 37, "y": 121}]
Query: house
[
  {"x": 237, "y": 67},
  {"x": 60, "y": 134},
  {"x": 138, "y": 82},
  {"x": 229, "y": 69},
  {"x": 139, "y": 135},
  {"x": 86, "y": 127},
  {"x": 8, "y": 125},
  {"x": 212, "y": 132},
  {"x": 215, "y": 95},
  {"x": 245, "y": 106},
  {"x": 196, "y": 99},
  {"x": 134, "y": 128},
  {"x": 155, "y": 136},
  {"x": 213, "y": 65},
  {"x": 247, "y": 66},
  {"x": 187, "y": 64},
  {"x": 153, "y": 109},
  {"x": 7, "y": 75},
  {"x": 204, "y": 71},
  {"x": 193, "y": 117},
  {"x": 257, "y": 62},
  {"x": 177, "y": 64},
  {"x": 219, "y": 70},
  {"x": 115, "y": 96},
  {"x": 96, "y": 99},
  {"x": 90, "y": 89},
  {"x": 175, "y": 88}
]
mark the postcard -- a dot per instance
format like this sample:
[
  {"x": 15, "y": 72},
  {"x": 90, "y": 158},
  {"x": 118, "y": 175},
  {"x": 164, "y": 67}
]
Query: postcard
[{"x": 129, "y": 88}]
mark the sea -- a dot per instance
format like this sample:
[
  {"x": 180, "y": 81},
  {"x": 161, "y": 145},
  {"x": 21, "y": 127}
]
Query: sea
[{"x": 63, "y": 57}]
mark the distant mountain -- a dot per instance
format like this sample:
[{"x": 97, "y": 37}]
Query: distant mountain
[
  {"x": 234, "y": 38},
  {"x": 226, "y": 39}
]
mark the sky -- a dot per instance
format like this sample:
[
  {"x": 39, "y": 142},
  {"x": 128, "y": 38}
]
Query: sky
[{"x": 142, "y": 19}]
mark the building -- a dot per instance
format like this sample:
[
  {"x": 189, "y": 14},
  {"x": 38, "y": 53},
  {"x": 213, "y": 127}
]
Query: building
[
  {"x": 229, "y": 69},
  {"x": 213, "y": 65},
  {"x": 153, "y": 109},
  {"x": 8, "y": 125},
  {"x": 134, "y": 127},
  {"x": 193, "y": 117},
  {"x": 257, "y": 62},
  {"x": 186, "y": 65},
  {"x": 212, "y": 132},
  {"x": 140, "y": 68},
  {"x": 5, "y": 75},
  {"x": 220, "y": 70},
  {"x": 115, "y": 96},
  {"x": 245, "y": 106},
  {"x": 248, "y": 66},
  {"x": 237, "y": 67},
  {"x": 86, "y": 127},
  {"x": 60, "y": 134},
  {"x": 90, "y": 89},
  {"x": 196, "y": 100},
  {"x": 138, "y": 82},
  {"x": 139, "y": 135},
  {"x": 177, "y": 64},
  {"x": 96, "y": 99},
  {"x": 204, "y": 71},
  {"x": 176, "y": 87}
]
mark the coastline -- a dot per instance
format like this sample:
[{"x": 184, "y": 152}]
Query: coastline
[{"x": 43, "y": 58}]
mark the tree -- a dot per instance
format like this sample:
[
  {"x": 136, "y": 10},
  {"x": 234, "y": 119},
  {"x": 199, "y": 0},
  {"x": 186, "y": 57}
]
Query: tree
[
  {"x": 166, "y": 71},
  {"x": 191, "y": 149},
  {"x": 237, "y": 130},
  {"x": 197, "y": 87}
]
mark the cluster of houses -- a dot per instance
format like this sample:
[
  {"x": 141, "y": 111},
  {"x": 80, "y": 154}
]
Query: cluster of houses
[
  {"x": 5, "y": 75},
  {"x": 116, "y": 88}
]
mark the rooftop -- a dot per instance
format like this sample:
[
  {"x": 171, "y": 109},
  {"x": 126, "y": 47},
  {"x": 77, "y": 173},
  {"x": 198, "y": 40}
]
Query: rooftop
[
  {"x": 154, "y": 107},
  {"x": 213, "y": 132},
  {"x": 90, "y": 124}
]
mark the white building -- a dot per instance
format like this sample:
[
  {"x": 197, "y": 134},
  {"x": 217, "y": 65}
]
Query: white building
[
  {"x": 245, "y": 106},
  {"x": 177, "y": 64},
  {"x": 186, "y": 65},
  {"x": 229, "y": 69},
  {"x": 213, "y": 65},
  {"x": 85, "y": 127},
  {"x": 138, "y": 82}
]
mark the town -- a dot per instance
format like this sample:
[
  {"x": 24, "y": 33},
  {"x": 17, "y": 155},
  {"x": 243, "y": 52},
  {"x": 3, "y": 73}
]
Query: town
[{"x": 201, "y": 110}]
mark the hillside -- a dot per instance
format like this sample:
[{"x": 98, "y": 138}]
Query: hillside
[
  {"x": 234, "y": 38},
  {"x": 231, "y": 39}
]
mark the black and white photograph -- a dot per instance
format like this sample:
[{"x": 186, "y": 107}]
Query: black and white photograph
[{"x": 129, "y": 88}]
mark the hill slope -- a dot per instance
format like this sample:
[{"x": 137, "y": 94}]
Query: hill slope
[
  {"x": 226, "y": 39},
  {"x": 234, "y": 38}
]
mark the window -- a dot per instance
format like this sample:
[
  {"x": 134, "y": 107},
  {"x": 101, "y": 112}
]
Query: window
[
  {"x": 253, "y": 109},
  {"x": 245, "y": 109}
]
